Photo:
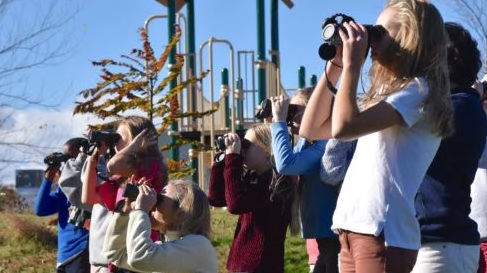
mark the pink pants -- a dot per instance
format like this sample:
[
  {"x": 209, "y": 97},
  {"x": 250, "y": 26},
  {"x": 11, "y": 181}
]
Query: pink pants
[{"x": 312, "y": 249}]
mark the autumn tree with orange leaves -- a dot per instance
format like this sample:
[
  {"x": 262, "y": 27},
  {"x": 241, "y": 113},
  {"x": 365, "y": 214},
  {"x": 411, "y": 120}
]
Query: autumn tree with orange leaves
[{"x": 134, "y": 84}]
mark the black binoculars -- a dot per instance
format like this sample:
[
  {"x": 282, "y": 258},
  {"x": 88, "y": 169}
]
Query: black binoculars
[
  {"x": 110, "y": 138},
  {"x": 265, "y": 111},
  {"x": 55, "y": 158},
  {"x": 331, "y": 36}
]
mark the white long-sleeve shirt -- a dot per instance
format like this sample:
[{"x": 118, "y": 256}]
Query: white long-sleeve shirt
[{"x": 128, "y": 245}]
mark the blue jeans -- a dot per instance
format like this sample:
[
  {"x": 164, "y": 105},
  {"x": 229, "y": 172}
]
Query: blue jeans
[{"x": 80, "y": 264}]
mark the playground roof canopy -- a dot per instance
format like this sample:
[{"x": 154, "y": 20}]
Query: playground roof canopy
[{"x": 179, "y": 3}]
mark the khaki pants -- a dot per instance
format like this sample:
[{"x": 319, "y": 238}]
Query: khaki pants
[
  {"x": 446, "y": 257},
  {"x": 363, "y": 253}
]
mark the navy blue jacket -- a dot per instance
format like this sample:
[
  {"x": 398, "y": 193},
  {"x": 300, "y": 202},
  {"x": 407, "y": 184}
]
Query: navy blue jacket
[{"x": 443, "y": 200}]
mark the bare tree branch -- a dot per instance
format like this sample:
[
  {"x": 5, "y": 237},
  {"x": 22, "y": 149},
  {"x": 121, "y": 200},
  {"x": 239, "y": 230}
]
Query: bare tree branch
[
  {"x": 33, "y": 34},
  {"x": 25, "y": 145},
  {"x": 24, "y": 99},
  {"x": 32, "y": 40},
  {"x": 16, "y": 161}
]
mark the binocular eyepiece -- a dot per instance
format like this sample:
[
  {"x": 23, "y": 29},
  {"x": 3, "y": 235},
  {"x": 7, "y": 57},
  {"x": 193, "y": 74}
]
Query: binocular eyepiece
[
  {"x": 220, "y": 146},
  {"x": 220, "y": 143},
  {"x": 265, "y": 111},
  {"x": 109, "y": 137},
  {"x": 132, "y": 191},
  {"x": 55, "y": 158},
  {"x": 331, "y": 36},
  {"x": 95, "y": 138},
  {"x": 72, "y": 147}
]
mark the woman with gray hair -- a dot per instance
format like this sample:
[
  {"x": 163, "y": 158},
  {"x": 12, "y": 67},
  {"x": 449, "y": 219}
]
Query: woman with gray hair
[{"x": 180, "y": 212}]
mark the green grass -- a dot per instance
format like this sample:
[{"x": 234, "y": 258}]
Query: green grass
[
  {"x": 223, "y": 225},
  {"x": 28, "y": 243}
]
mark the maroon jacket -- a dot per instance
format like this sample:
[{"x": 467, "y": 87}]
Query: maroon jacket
[{"x": 258, "y": 243}]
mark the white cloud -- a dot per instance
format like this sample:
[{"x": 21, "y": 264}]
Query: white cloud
[{"x": 45, "y": 130}]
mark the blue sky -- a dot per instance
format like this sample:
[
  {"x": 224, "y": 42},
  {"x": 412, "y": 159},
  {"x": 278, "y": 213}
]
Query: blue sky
[{"x": 108, "y": 28}]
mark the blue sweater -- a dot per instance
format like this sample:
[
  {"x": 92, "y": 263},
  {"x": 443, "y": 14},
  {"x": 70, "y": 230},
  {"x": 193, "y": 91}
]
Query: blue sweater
[
  {"x": 71, "y": 240},
  {"x": 443, "y": 200},
  {"x": 317, "y": 200}
]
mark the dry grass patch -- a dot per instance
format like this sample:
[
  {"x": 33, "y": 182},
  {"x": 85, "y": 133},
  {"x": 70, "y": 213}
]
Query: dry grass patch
[{"x": 28, "y": 243}]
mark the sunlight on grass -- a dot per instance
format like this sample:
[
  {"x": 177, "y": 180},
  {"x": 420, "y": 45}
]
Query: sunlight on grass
[
  {"x": 223, "y": 225},
  {"x": 27, "y": 243}
]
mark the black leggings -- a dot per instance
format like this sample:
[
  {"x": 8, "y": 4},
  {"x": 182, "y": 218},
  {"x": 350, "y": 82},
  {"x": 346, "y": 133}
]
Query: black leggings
[{"x": 327, "y": 261}]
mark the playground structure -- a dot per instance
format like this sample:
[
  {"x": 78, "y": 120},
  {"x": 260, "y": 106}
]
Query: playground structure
[{"x": 242, "y": 87}]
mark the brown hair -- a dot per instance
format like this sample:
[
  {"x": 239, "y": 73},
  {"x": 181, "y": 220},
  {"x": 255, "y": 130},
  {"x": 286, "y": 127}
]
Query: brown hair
[
  {"x": 194, "y": 208},
  {"x": 282, "y": 187},
  {"x": 304, "y": 94},
  {"x": 145, "y": 158}
]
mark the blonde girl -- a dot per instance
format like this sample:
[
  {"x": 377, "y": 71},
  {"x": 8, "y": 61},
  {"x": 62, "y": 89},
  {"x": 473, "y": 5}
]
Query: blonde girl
[{"x": 407, "y": 112}]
